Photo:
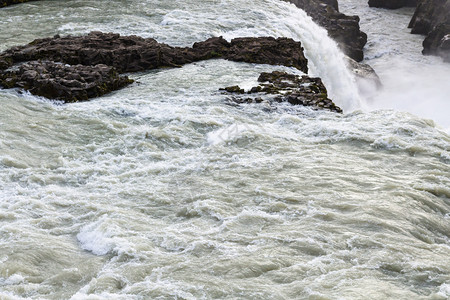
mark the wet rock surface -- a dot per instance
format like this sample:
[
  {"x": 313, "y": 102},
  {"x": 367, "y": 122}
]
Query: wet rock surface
[
  {"x": 4, "y": 3},
  {"x": 432, "y": 18},
  {"x": 392, "y": 4},
  {"x": 61, "y": 58},
  {"x": 363, "y": 71},
  {"x": 64, "y": 82},
  {"x": 437, "y": 42},
  {"x": 284, "y": 87},
  {"x": 342, "y": 28},
  {"x": 133, "y": 53}
]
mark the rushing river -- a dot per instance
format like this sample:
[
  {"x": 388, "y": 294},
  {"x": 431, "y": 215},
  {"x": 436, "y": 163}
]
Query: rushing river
[{"x": 163, "y": 190}]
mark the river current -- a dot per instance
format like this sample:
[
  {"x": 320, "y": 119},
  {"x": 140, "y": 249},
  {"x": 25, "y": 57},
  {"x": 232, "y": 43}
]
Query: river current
[{"x": 163, "y": 190}]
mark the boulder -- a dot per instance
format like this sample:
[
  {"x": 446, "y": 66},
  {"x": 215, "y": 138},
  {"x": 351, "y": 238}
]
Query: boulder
[
  {"x": 432, "y": 18},
  {"x": 428, "y": 14},
  {"x": 284, "y": 87},
  {"x": 363, "y": 72},
  {"x": 366, "y": 78},
  {"x": 342, "y": 28}
]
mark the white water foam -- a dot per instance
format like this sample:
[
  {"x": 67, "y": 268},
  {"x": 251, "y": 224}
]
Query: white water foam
[
  {"x": 324, "y": 57},
  {"x": 101, "y": 237},
  {"x": 208, "y": 200},
  {"x": 411, "y": 81}
]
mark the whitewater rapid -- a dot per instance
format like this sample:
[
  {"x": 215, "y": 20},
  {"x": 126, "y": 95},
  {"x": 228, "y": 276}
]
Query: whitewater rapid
[{"x": 163, "y": 190}]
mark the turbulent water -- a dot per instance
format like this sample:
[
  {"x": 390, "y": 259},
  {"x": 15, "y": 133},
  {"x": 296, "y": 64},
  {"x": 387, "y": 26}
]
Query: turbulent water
[
  {"x": 412, "y": 82},
  {"x": 163, "y": 190}
]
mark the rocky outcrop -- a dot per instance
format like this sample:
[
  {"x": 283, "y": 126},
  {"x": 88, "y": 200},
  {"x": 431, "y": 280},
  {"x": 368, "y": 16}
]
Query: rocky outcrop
[
  {"x": 342, "y": 28},
  {"x": 284, "y": 87},
  {"x": 82, "y": 67},
  {"x": 392, "y": 4},
  {"x": 432, "y": 18},
  {"x": 65, "y": 82},
  {"x": 429, "y": 14},
  {"x": 133, "y": 53},
  {"x": 4, "y": 3},
  {"x": 437, "y": 42}
]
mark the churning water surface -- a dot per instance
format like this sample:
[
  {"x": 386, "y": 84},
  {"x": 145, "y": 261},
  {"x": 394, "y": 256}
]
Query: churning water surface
[{"x": 163, "y": 190}]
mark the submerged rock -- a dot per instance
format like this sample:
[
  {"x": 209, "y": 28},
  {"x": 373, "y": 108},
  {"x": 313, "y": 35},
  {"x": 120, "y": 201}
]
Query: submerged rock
[
  {"x": 53, "y": 59},
  {"x": 285, "y": 87},
  {"x": 342, "y": 28}
]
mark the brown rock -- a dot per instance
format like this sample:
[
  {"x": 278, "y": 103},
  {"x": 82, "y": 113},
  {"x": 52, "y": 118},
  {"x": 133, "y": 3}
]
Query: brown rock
[{"x": 285, "y": 87}]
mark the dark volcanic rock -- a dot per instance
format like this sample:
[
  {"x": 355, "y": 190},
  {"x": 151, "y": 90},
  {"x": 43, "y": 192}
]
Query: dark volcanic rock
[
  {"x": 342, "y": 28},
  {"x": 392, "y": 4},
  {"x": 260, "y": 50},
  {"x": 4, "y": 3},
  {"x": 127, "y": 54},
  {"x": 432, "y": 18},
  {"x": 133, "y": 53},
  {"x": 280, "y": 51},
  {"x": 429, "y": 14},
  {"x": 64, "y": 82},
  {"x": 437, "y": 42},
  {"x": 285, "y": 87}
]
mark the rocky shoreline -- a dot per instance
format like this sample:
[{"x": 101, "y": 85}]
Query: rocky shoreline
[{"x": 431, "y": 18}]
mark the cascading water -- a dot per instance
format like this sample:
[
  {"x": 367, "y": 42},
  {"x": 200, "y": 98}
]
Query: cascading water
[{"x": 163, "y": 190}]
